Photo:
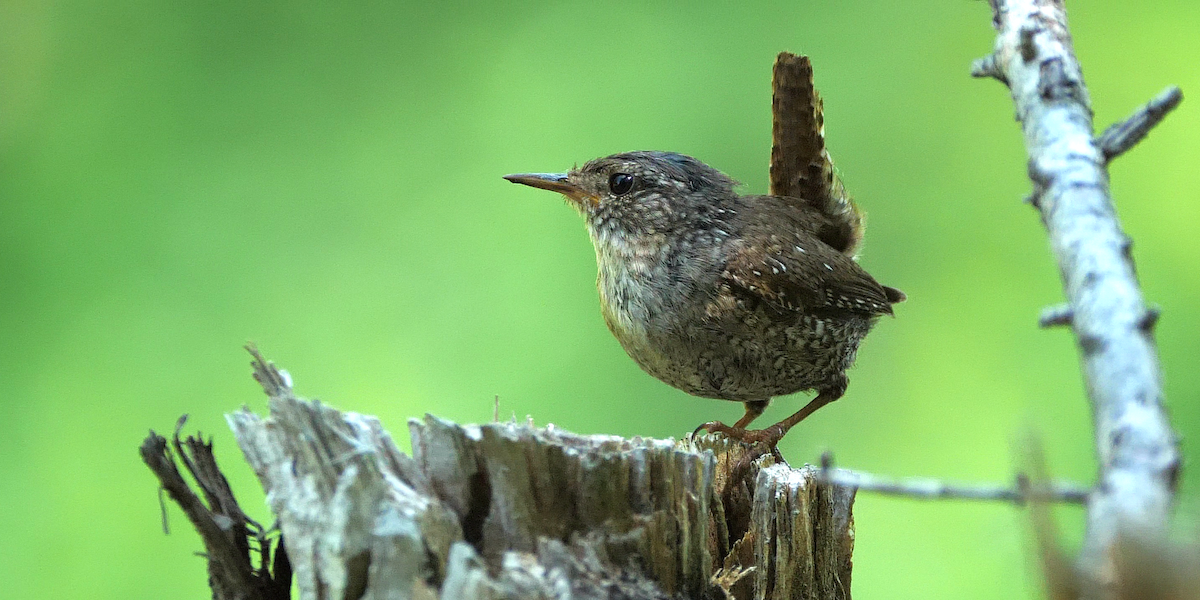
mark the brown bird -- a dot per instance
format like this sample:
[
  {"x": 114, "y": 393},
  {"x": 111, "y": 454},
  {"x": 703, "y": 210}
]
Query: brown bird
[{"x": 729, "y": 296}]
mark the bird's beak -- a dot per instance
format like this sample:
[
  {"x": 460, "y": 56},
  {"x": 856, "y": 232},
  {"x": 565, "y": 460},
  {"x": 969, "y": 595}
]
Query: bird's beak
[{"x": 555, "y": 182}]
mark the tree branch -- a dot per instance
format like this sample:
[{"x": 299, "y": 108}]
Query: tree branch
[
  {"x": 933, "y": 489},
  {"x": 1122, "y": 136},
  {"x": 1135, "y": 446},
  {"x": 1059, "y": 315}
]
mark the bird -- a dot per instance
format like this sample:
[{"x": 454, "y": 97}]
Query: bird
[{"x": 730, "y": 296}]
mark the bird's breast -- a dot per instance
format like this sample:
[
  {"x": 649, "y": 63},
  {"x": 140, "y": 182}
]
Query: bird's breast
[{"x": 633, "y": 280}]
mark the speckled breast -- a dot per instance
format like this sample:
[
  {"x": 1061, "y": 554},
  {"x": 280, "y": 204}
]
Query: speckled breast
[{"x": 752, "y": 353}]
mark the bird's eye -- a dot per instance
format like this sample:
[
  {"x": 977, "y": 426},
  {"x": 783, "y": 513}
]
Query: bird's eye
[{"x": 620, "y": 183}]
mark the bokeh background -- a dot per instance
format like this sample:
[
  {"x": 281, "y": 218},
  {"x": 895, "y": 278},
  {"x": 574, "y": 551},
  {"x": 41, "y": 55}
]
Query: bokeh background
[{"x": 323, "y": 178}]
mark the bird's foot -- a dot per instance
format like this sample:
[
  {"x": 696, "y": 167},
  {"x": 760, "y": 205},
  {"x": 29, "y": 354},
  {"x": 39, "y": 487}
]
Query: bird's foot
[
  {"x": 761, "y": 441},
  {"x": 768, "y": 438}
]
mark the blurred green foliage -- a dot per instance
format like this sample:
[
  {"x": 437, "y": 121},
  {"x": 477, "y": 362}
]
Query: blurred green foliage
[{"x": 324, "y": 178}]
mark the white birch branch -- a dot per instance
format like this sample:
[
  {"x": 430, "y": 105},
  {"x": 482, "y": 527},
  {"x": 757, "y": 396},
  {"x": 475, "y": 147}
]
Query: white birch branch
[{"x": 1135, "y": 446}]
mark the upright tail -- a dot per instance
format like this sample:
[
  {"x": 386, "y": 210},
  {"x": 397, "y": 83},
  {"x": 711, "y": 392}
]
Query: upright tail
[{"x": 800, "y": 165}]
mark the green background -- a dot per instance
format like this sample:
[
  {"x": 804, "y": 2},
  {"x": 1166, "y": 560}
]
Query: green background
[{"x": 324, "y": 179}]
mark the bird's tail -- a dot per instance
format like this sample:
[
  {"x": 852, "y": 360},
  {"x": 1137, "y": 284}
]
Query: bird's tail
[{"x": 800, "y": 164}]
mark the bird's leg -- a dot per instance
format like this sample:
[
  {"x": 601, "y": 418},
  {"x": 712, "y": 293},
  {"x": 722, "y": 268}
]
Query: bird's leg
[
  {"x": 754, "y": 408},
  {"x": 771, "y": 435}
]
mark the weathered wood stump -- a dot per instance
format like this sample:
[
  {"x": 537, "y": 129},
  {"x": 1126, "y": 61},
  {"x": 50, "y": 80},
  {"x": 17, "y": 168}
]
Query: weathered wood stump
[{"x": 507, "y": 510}]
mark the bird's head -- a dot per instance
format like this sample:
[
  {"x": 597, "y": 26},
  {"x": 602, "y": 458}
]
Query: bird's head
[{"x": 637, "y": 192}]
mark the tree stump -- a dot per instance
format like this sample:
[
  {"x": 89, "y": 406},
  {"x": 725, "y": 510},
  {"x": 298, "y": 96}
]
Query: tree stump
[{"x": 510, "y": 510}]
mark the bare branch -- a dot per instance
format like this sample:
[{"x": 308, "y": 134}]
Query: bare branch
[
  {"x": 1122, "y": 136},
  {"x": 1135, "y": 446},
  {"x": 933, "y": 489},
  {"x": 1059, "y": 315},
  {"x": 986, "y": 67}
]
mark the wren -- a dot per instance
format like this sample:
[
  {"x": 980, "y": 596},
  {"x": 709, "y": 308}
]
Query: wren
[{"x": 730, "y": 296}]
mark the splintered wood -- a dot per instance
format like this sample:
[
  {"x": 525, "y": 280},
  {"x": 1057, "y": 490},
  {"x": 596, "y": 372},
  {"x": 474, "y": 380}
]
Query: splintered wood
[{"x": 509, "y": 510}]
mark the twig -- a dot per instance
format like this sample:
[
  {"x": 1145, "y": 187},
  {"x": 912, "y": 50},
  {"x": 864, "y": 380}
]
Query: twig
[
  {"x": 1135, "y": 446},
  {"x": 1058, "y": 315},
  {"x": 1122, "y": 136},
  {"x": 986, "y": 67},
  {"x": 933, "y": 489}
]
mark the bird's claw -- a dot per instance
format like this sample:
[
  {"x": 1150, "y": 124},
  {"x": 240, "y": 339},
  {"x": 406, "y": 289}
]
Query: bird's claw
[
  {"x": 768, "y": 437},
  {"x": 711, "y": 427}
]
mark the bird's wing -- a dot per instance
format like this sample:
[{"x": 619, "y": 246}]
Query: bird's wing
[{"x": 797, "y": 271}]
